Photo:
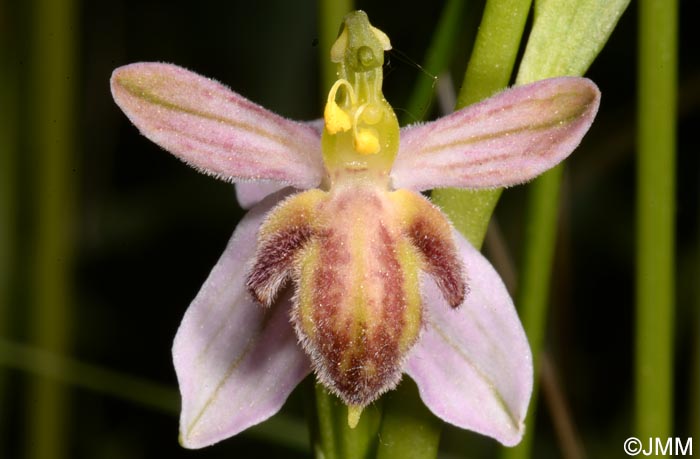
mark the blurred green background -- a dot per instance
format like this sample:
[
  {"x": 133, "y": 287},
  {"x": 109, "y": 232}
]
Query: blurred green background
[{"x": 104, "y": 238}]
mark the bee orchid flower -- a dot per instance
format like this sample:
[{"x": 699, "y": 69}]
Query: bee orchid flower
[{"x": 341, "y": 266}]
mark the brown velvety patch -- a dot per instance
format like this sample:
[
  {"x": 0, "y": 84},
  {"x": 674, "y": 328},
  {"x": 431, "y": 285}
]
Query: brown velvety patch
[
  {"x": 273, "y": 262},
  {"x": 394, "y": 301},
  {"x": 442, "y": 260},
  {"x": 359, "y": 359},
  {"x": 363, "y": 367}
]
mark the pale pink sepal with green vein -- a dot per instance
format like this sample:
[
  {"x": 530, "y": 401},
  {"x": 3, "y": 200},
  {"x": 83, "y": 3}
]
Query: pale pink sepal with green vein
[
  {"x": 235, "y": 362},
  {"x": 216, "y": 130},
  {"x": 505, "y": 140},
  {"x": 483, "y": 378}
]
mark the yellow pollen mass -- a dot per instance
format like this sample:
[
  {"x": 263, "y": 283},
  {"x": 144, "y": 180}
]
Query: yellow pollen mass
[
  {"x": 336, "y": 119},
  {"x": 361, "y": 135},
  {"x": 366, "y": 142}
]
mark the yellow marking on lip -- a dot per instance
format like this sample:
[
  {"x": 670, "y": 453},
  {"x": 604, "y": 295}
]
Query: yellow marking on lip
[
  {"x": 298, "y": 209},
  {"x": 410, "y": 262},
  {"x": 309, "y": 260}
]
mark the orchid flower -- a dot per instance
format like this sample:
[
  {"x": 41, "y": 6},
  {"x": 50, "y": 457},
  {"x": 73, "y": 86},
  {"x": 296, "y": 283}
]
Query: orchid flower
[{"x": 382, "y": 283}]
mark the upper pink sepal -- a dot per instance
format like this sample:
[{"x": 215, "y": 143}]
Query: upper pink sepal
[
  {"x": 214, "y": 129},
  {"x": 472, "y": 364},
  {"x": 236, "y": 362},
  {"x": 507, "y": 139}
]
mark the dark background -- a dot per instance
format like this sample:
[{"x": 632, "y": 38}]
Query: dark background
[{"x": 147, "y": 229}]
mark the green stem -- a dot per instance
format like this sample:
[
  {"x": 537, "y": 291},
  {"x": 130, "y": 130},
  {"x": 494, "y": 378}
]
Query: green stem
[
  {"x": 655, "y": 216},
  {"x": 409, "y": 429},
  {"x": 336, "y": 440},
  {"x": 53, "y": 117},
  {"x": 495, "y": 49},
  {"x": 489, "y": 70},
  {"x": 326, "y": 445}
]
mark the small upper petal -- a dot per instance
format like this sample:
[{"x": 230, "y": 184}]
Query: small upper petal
[
  {"x": 507, "y": 139},
  {"x": 473, "y": 364},
  {"x": 214, "y": 129},
  {"x": 249, "y": 194},
  {"x": 236, "y": 362}
]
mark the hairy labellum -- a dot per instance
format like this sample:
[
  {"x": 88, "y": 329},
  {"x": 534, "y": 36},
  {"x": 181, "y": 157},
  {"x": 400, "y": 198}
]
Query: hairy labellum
[{"x": 357, "y": 308}]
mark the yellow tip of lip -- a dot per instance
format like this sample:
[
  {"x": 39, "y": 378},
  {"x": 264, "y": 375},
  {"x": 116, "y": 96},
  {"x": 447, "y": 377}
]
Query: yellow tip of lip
[{"x": 354, "y": 412}]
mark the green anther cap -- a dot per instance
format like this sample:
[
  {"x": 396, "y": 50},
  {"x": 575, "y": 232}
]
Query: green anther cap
[{"x": 360, "y": 46}]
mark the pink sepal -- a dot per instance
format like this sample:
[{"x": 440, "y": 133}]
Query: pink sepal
[
  {"x": 473, "y": 364},
  {"x": 507, "y": 139},
  {"x": 236, "y": 362},
  {"x": 214, "y": 129}
]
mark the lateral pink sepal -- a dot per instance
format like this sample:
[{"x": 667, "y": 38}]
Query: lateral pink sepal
[
  {"x": 507, "y": 139},
  {"x": 214, "y": 129},
  {"x": 472, "y": 364},
  {"x": 236, "y": 362}
]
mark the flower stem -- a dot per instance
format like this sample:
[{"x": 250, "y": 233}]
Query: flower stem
[
  {"x": 489, "y": 70},
  {"x": 336, "y": 440},
  {"x": 496, "y": 47},
  {"x": 53, "y": 116},
  {"x": 409, "y": 429},
  {"x": 325, "y": 445},
  {"x": 655, "y": 217}
]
